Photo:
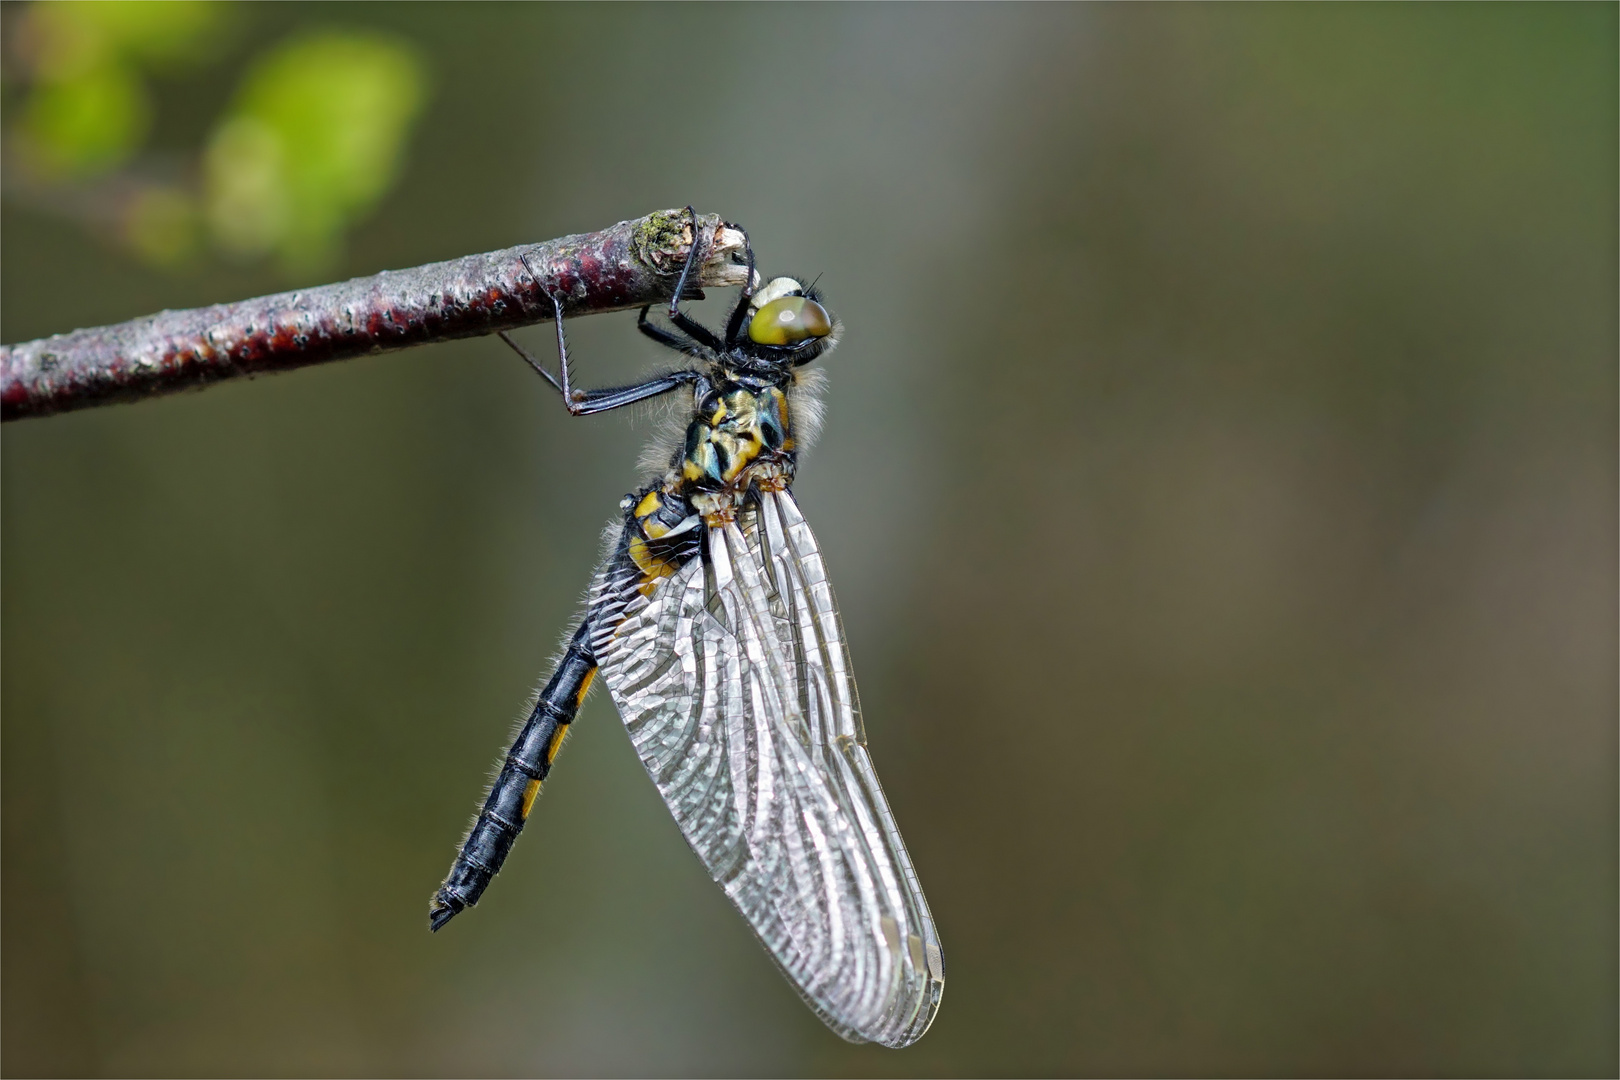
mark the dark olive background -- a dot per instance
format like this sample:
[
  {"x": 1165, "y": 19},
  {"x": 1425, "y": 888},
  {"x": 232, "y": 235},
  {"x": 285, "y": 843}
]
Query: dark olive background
[{"x": 1219, "y": 480}]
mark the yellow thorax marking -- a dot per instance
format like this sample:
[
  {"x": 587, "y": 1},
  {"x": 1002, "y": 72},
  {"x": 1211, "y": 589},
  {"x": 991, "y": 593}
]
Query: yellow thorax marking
[{"x": 651, "y": 566}]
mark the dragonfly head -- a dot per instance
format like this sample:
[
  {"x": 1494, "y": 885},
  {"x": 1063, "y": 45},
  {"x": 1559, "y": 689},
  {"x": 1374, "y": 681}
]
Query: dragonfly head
[{"x": 787, "y": 318}]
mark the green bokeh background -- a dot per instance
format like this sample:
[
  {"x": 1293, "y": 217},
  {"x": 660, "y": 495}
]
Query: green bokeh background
[{"x": 1219, "y": 480}]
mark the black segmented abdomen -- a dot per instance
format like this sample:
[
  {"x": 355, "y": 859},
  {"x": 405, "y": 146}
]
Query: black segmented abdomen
[{"x": 513, "y": 793}]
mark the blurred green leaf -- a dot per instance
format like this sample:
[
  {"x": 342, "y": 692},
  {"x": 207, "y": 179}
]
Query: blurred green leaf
[
  {"x": 248, "y": 193},
  {"x": 89, "y": 123},
  {"x": 89, "y": 111},
  {"x": 156, "y": 30},
  {"x": 312, "y": 142}
]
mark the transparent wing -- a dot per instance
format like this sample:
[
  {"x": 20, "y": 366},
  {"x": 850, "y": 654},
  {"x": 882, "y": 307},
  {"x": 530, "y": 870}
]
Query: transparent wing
[{"x": 733, "y": 679}]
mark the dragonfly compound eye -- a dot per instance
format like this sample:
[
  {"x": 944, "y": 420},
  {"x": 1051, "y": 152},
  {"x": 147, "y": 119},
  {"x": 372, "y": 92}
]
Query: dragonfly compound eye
[{"x": 788, "y": 321}]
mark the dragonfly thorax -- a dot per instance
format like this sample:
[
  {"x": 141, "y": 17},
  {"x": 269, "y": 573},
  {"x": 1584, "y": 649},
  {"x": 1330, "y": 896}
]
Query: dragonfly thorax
[{"x": 740, "y": 434}]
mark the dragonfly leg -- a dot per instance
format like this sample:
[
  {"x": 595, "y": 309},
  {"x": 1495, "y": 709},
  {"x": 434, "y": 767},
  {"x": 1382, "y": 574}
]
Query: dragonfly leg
[
  {"x": 694, "y": 329},
  {"x": 669, "y": 340},
  {"x": 586, "y": 402},
  {"x": 734, "y": 324},
  {"x": 528, "y": 358},
  {"x": 595, "y": 401},
  {"x": 570, "y": 398}
]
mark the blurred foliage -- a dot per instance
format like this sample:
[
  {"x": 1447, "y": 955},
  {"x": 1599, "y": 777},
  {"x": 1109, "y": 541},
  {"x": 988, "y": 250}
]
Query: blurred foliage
[
  {"x": 311, "y": 142},
  {"x": 89, "y": 110}
]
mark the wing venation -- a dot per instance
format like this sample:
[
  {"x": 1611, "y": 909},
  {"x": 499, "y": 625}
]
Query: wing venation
[{"x": 733, "y": 680}]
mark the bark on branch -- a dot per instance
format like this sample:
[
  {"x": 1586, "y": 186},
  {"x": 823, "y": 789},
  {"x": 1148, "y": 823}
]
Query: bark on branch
[{"x": 627, "y": 265}]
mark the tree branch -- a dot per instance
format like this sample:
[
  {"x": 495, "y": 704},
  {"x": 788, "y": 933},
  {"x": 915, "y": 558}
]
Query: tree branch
[{"x": 628, "y": 265}]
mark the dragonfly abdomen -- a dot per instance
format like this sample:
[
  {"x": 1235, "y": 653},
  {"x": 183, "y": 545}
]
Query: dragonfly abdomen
[{"x": 512, "y": 795}]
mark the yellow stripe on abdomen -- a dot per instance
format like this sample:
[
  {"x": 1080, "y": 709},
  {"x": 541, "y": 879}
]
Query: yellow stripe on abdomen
[{"x": 529, "y": 795}]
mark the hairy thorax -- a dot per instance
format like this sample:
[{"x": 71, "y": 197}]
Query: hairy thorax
[{"x": 740, "y": 436}]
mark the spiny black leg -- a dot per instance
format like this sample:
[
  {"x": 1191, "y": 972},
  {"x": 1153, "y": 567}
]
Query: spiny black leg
[
  {"x": 570, "y": 399},
  {"x": 595, "y": 401},
  {"x": 532, "y": 362},
  {"x": 686, "y": 267},
  {"x": 587, "y": 402},
  {"x": 735, "y": 323},
  {"x": 669, "y": 340},
  {"x": 695, "y": 330}
]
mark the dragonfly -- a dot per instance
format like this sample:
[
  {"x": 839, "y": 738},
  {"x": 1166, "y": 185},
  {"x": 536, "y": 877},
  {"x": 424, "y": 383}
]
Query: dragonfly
[{"x": 714, "y": 627}]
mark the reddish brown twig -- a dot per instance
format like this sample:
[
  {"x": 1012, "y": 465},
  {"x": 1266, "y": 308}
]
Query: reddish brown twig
[{"x": 628, "y": 265}]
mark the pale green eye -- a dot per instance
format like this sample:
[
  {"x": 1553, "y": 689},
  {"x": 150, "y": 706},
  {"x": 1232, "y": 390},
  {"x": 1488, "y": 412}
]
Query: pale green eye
[{"x": 788, "y": 321}]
